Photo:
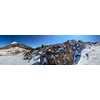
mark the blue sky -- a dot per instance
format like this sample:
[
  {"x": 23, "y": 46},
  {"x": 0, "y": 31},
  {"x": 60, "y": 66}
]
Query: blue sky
[{"x": 37, "y": 40}]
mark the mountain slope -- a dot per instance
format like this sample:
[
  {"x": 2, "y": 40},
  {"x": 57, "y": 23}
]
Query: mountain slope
[
  {"x": 90, "y": 55},
  {"x": 13, "y": 54},
  {"x": 15, "y": 44},
  {"x": 14, "y": 49}
]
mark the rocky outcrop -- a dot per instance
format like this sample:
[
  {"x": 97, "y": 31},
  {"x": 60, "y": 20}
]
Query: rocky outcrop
[
  {"x": 57, "y": 56},
  {"x": 67, "y": 53},
  {"x": 42, "y": 46}
]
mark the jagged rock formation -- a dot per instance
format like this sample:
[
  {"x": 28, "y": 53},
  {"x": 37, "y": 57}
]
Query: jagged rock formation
[
  {"x": 66, "y": 53},
  {"x": 57, "y": 55}
]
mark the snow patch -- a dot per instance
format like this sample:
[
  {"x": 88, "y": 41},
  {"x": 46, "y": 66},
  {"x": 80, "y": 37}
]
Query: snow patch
[
  {"x": 14, "y": 42},
  {"x": 44, "y": 61}
]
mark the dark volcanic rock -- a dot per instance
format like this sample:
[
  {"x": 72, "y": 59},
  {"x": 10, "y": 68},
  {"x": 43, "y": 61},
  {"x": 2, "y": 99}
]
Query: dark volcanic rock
[
  {"x": 42, "y": 46},
  {"x": 63, "y": 53},
  {"x": 58, "y": 54}
]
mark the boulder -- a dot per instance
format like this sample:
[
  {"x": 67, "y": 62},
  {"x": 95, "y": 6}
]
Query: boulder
[
  {"x": 74, "y": 42},
  {"x": 42, "y": 46}
]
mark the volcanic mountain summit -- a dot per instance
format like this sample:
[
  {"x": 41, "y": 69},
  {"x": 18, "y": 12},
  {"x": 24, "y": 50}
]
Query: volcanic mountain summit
[{"x": 15, "y": 44}]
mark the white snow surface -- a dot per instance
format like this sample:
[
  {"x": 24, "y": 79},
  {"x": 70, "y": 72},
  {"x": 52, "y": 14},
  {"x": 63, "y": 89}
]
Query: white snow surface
[
  {"x": 13, "y": 60},
  {"x": 18, "y": 60},
  {"x": 8, "y": 58},
  {"x": 90, "y": 56},
  {"x": 11, "y": 50},
  {"x": 14, "y": 42}
]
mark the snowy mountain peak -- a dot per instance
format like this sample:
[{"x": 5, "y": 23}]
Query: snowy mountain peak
[{"x": 14, "y": 42}]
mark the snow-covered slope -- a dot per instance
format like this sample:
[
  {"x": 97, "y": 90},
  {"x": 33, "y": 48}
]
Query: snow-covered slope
[
  {"x": 15, "y": 56},
  {"x": 13, "y": 60},
  {"x": 18, "y": 60},
  {"x": 90, "y": 55},
  {"x": 12, "y": 51}
]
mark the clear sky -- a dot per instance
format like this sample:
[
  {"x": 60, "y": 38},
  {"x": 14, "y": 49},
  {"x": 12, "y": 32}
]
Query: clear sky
[{"x": 37, "y": 40}]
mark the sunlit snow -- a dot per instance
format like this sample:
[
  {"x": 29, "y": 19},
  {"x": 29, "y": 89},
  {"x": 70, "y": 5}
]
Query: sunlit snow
[{"x": 90, "y": 56}]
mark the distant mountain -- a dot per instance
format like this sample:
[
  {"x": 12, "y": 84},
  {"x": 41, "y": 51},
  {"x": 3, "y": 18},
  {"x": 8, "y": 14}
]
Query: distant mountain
[{"x": 15, "y": 44}]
